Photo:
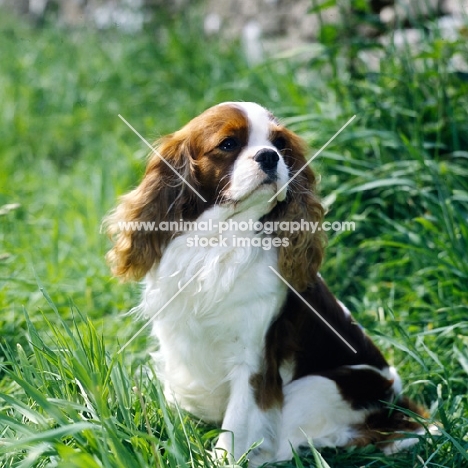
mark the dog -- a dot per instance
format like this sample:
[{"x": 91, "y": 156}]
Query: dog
[{"x": 250, "y": 337}]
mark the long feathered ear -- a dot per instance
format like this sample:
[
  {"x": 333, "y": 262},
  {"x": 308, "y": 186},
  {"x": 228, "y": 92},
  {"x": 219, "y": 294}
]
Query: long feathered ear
[
  {"x": 161, "y": 196},
  {"x": 300, "y": 259}
]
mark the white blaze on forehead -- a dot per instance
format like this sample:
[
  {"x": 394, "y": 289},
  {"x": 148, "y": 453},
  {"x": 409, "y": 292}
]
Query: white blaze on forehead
[
  {"x": 259, "y": 123},
  {"x": 259, "y": 120}
]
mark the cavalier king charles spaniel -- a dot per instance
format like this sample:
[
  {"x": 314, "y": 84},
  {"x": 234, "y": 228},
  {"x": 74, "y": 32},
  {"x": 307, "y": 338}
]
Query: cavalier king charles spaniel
[{"x": 249, "y": 335}]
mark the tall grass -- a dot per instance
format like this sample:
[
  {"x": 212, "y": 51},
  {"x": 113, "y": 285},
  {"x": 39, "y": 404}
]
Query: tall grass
[
  {"x": 68, "y": 399},
  {"x": 74, "y": 405}
]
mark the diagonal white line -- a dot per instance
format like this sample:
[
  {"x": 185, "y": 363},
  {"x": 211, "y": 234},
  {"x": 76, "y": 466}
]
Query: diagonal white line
[
  {"x": 160, "y": 310},
  {"x": 312, "y": 309},
  {"x": 313, "y": 157},
  {"x": 159, "y": 155}
]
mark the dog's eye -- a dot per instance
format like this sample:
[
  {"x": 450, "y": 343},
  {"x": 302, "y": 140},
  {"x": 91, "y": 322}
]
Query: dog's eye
[
  {"x": 229, "y": 144},
  {"x": 279, "y": 143}
]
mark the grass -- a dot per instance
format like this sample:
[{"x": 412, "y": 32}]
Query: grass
[{"x": 67, "y": 398}]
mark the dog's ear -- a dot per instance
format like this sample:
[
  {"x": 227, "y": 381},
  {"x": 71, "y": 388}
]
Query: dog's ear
[
  {"x": 300, "y": 258},
  {"x": 162, "y": 196}
]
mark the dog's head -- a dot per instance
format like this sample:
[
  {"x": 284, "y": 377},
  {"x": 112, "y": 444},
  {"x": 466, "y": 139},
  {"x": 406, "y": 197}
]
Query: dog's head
[{"x": 236, "y": 155}]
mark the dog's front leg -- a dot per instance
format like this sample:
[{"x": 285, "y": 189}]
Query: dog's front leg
[{"x": 245, "y": 424}]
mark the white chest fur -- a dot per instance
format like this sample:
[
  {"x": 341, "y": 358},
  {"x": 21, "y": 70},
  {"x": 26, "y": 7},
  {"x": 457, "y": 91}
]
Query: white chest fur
[{"x": 212, "y": 307}]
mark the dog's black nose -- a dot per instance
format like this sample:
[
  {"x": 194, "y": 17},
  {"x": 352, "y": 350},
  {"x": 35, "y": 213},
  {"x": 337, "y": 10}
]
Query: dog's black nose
[{"x": 268, "y": 159}]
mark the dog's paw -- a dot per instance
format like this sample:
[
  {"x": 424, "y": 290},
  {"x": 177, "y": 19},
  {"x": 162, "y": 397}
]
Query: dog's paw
[
  {"x": 405, "y": 443},
  {"x": 260, "y": 456}
]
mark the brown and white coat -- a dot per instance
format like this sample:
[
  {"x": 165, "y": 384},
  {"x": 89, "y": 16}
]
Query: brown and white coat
[{"x": 237, "y": 346}]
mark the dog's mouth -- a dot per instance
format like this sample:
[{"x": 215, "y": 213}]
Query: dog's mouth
[
  {"x": 270, "y": 179},
  {"x": 268, "y": 187},
  {"x": 280, "y": 189}
]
